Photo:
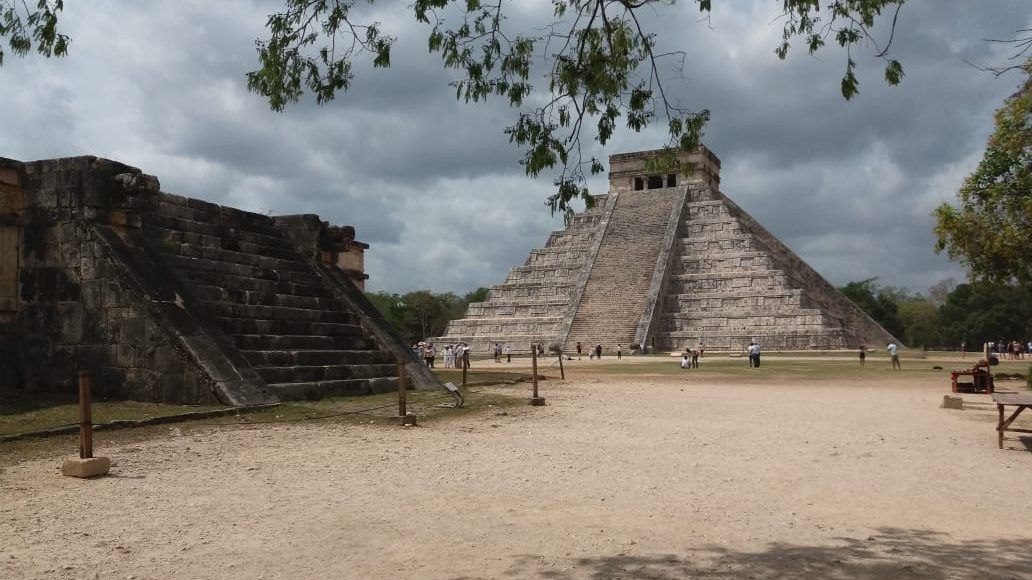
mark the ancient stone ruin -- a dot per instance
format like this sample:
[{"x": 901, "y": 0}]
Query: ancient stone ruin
[
  {"x": 170, "y": 299},
  {"x": 665, "y": 260}
]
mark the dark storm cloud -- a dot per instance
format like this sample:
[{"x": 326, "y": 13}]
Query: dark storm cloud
[{"x": 435, "y": 186}]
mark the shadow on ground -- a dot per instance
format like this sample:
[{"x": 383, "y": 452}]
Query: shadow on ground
[{"x": 890, "y": 554}]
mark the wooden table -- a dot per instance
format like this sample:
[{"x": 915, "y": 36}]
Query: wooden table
[{"x": 1020, "y": 400}]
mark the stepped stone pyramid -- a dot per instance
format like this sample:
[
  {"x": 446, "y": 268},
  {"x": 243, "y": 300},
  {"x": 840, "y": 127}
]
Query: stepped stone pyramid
[
  {"x": 171, "y": 299},
  {"x": 668, "y": 261}
]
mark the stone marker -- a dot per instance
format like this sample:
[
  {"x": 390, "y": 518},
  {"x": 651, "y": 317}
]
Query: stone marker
[
  {"x": 84, "y": 468},
  {"x": 949, "y": 402}
]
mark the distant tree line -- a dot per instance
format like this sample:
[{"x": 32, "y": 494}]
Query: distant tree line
[
  {"x": 949, "y": 313},
  {"x": 423, "y": 314}
]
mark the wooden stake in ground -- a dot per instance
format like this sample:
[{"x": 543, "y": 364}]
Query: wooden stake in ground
[
  {"x": 86, "y": 465},
  {"x": 403, "y": 414},
  {"x": 562, "y": 373},
  {"x": 85, "y": 416},
  {"x": 535, "y": 400}
]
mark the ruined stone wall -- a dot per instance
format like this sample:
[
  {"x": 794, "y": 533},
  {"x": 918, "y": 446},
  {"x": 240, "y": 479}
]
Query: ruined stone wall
[
  {"x": 73, "y": 310},
  {"x": 171, "y": 299}
]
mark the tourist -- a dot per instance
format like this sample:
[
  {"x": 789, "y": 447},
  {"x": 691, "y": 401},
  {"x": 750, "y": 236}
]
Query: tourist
[
  {"x": 508, "y": 354},
  {"x": 498, "y": 352},
  {"x": 863, "y": 354},
  {"x": 892, "y": 348},
  {"x": 685, "y": 363},
  {"x": 429, "y": 354},
  {"x": 619, "y": 351},
  {"x": 754, "y": 354},
  {"x": 598, "y": 352},
  {"x": 699, "y": 348},
  {"x": 464, "y": 350},
  {"x": 449, "y": 357},
  {"x": 578, "y": 350},
  {"x": 695, "y": 359}
]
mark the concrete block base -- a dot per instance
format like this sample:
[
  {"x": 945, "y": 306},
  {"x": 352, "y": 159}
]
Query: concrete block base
[
  {"x": 949, "y": 402},
  {"x": 92, "y": 467},
  {"x": 537, "y": 401}
]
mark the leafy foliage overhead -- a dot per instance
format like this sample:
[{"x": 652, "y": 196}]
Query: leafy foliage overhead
[
  {"x": 601, "y": 61},
  {"x": 991, "y": 231},
  {"x": 23, "y": 25}
]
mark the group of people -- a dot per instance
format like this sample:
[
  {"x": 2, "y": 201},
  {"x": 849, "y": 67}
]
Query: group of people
[
  {"x": 499, "y": 351},
  {"x": 595, "y": 352},
  {"x": 690, "y": 357},
  {"x": 456, "y": 356},
  {"x": 1013, "y": 350}
]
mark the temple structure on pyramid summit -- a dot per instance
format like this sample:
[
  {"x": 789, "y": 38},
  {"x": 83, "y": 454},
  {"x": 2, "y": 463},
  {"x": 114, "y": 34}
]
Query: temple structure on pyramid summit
[{"x": 667, "y": 261}]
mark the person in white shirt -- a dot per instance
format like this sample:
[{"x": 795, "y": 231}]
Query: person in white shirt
[{"x": 892, "y": 348}]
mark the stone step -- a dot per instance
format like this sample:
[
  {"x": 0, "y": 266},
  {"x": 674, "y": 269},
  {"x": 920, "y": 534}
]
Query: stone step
[
  {"x": 210, "y": 213},
  {"x": 268, "y": 238},
  {"x": 342, "y": 388},
  {"x": 266, "y": 358},
  {"x": 257, "y": 311},
  {"x": 238, "y": 326},
  {"x": 308, "y": 374},
  {"x": 278, "y": 250},
  {"x": 242, "y": 270},
  {"x": 356, "y": 341},
  {"x": 210, "y": 293},
  {"x": 234, "y": 257},
  {"x": 195, "y": 278}
]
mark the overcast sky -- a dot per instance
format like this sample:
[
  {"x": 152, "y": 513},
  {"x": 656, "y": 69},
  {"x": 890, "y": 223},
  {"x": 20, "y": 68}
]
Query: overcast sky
[{"x": 433, "y": 184}]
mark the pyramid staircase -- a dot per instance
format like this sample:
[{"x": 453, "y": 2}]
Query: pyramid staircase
[
  {"x": 532, "y": 304},
  {"x": 238, "y": 270},
  {"x": 618, "y": 285}
]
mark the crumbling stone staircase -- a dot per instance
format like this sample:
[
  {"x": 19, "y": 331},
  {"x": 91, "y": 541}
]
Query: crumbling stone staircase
[
  {"x": 237, "y": 269},
  {"x": 168, "y": 299}
]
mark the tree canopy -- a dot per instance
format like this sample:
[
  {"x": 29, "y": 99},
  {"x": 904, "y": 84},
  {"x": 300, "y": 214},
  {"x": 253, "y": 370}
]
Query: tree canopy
[
  {"x": 991, "y": 231},
  {"x": 598, "y": 59}
]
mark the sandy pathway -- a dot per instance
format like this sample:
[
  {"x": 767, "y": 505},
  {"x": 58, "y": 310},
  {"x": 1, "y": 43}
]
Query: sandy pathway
[{"x": 650, "y": 478}]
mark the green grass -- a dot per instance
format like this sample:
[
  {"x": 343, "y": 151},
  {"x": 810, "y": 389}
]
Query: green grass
[
  {"x": 24, "y": 415},
  {"x": 18, "y": 419}
]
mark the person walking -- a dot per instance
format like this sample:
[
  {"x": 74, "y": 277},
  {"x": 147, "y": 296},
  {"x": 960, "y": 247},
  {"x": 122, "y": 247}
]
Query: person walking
[
  {"x": 894, "y": 355},
  {"x": 748, "y": 351},
  {"x": 695, "y": 359},
  {"x": 578, "y": 350},
  {"x": 863, "y": 354},
  {"x": 619, "y": 351},
  {"x": 598, "y": 352},
  {"x": 508, "y": 354}
]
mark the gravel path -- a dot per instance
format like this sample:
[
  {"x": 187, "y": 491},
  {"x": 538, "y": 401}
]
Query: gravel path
[{"x": 657, "y": 478}]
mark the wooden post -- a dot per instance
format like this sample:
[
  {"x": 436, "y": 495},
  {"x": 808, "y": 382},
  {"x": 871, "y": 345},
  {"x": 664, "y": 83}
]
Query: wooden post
[
  {"x": 535, "y": 400},
  {"x": 402, "y": 400},
  {"x": 464, "y": 368},
  {"x": 562, "y": 373},
  {"x": 85, "y": 417}
]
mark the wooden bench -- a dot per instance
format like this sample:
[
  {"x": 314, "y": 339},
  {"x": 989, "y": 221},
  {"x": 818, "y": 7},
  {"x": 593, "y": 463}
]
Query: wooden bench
[{"x": 1020, "y": 400}]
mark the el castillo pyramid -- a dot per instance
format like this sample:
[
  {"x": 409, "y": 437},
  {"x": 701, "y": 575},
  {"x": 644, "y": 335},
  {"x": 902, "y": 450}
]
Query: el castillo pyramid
[{"x": 665, "y": 260}]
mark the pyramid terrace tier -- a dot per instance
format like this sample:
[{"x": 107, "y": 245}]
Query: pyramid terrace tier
[
  {"x": 515, "y": 308},
  {"x": 505, "y": 293},
  {"x": 762, "y": 299},
  {"x": 568, "y": 256},
  {"x": 731, "y": 282},
  {"x": 727, "y": 262},
  {"x": 771, "y": 340}
]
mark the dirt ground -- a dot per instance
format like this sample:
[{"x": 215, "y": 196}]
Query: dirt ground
[{"x": 617, "y": 477}]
